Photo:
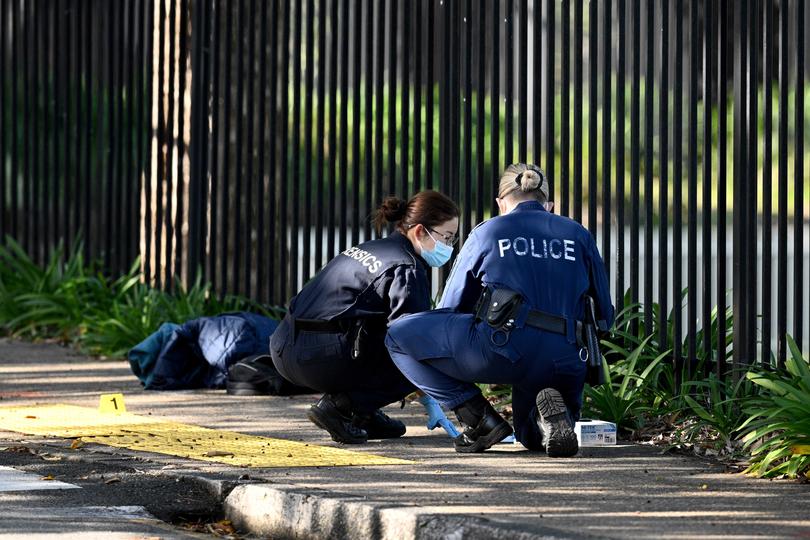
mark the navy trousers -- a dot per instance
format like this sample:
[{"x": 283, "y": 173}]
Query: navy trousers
[
  {"x": 323, "y": 361},
  {"x": 444, "y": 353}
]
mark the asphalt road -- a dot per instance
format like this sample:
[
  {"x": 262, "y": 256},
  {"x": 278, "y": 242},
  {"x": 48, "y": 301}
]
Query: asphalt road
[{"x": 96, "y": 496}]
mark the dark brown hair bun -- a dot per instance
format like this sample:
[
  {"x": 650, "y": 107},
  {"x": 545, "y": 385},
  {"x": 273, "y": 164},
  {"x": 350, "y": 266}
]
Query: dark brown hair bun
[{"x": 430, "y": 208}]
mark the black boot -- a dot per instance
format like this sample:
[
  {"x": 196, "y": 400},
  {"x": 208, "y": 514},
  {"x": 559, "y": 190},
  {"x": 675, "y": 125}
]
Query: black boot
[
  {"x": 483, "y": 426},
  {"x": 378, "y": 425},
  {"x": 254, "y": 376},
  {"x": 333, "y": 413},
  {"x": 556, "y": 425}
]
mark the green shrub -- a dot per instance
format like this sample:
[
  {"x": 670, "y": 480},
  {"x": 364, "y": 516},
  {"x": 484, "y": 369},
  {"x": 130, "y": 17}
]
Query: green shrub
[
  {"x": 716, "y": 407},
  {"x": 49, "y": 301},
  {"x": 777, "y": 431},
  {"x": 627, "y": 392},
  {"x": 72, "y": 301}
]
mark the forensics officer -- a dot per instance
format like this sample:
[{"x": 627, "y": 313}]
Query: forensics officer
[
  {"x": 332, "y": 338},
  {"x": 509, "y": 315}
]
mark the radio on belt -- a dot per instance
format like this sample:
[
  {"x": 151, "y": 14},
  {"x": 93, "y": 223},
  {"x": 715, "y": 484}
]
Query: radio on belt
[{"x": 595, "y": 432}]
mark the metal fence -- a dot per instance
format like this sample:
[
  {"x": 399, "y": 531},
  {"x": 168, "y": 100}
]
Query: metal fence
[{"x": 248, "y": 140}]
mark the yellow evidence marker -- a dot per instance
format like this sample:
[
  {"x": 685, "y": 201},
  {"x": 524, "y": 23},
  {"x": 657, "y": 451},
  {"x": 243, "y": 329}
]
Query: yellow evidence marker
[
  {"x": 146, "y": 434},
  {"x": 111, "y": 403}
]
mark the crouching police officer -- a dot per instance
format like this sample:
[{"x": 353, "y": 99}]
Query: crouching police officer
[
  {"x": 509, "y": 314},
  {"x": 332, "y": 338}
]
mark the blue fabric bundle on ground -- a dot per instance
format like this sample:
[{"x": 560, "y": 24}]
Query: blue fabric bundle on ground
[{"x": 198, "y": 353}]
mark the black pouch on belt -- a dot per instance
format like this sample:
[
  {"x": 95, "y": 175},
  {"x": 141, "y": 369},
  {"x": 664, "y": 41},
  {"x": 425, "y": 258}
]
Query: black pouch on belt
[
  {"x": 595, "y": 375},
  {"x": 367, "y": 336},
  {"x": 504, "y": 305}
]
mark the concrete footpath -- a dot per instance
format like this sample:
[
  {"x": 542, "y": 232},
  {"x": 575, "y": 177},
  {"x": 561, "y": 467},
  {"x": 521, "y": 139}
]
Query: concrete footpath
[{"x": 626, "y": 491}]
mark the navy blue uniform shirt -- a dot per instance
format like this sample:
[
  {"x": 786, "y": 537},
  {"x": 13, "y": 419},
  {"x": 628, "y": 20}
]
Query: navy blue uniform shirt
[
  {"x": 382, "y": 278},
  {"x": 551, "y": 260}
]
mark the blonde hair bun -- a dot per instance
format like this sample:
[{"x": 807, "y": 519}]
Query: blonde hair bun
[{"x": 529, "y": 181}]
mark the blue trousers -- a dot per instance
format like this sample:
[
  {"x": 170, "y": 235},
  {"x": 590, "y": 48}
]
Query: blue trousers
[{"x": 444, "y": 353}]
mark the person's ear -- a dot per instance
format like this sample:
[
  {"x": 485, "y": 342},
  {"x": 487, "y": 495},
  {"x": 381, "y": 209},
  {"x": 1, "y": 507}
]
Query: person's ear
[{"x": 501, "y": 206}]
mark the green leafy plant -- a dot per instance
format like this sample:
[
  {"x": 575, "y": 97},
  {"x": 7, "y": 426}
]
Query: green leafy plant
[
  {"x": 44, "y": 301},
  {"x": 716, "y": 407},
  {"x": 69, "y": 299},
  {"x": 625, "y": 394},
  {"x": 777, "y": 431}
]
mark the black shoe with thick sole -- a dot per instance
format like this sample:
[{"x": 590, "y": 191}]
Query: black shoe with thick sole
[
  {"x": 490, "y": 430},
  {"x": 555, "y": 424},
  {"x": 253, "y": 376},
  {"x": 326, "y": 415},
  {"x": 378, "y": 425}
]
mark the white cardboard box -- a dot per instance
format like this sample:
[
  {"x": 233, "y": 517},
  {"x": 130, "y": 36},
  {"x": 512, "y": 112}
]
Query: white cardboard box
[{"x": 595, "y": 432}]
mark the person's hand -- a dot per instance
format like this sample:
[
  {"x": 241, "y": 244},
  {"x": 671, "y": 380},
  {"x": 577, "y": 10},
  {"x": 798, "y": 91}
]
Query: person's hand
[{"x": 436, "y": 416}]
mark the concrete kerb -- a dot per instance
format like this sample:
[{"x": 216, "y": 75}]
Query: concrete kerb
[{"x": 283, "y": 511}]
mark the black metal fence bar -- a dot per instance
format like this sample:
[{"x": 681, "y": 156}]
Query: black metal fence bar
[
  {"x": 429, "y": 156},
  {"x": 593, "y": 106},
  {"x": 722, "y": 62},
  {"x": 392, "y": 96},
  {"x": 551, "y": 64},
  {"x": 691, "y": 273},
  {"x": 509, "y": 83},
  {"x": 4, "y": 113},
  {"x": 295, "y": 169},
  {"x": 798, "y": 181},
  {"x": 282, "y": 276},
  {"x": 319, "y": 135},
  {"x": 607, "y": 186},
  {"x": 767, "y": 203},
  {"x": 480, "y": 119},
  {"x": 309, "y": 88},
  {"x": 467, "y": 145},
  {"x": 781, "y": 295},
  {"x": 369, "y": 112},
  {"x": 537, "y": 82},
  {"x": 344, "y": 139},
  {"x": 495, "y": 97},
  {"x": 262, "y": 250},
  {"x": 750, "y": 253},
  {"x": 621, "y": 174},
  {"x": 565, "y": 121},
  {"x": 706, "y": 204},
  {"x": 578, "y": 155},
  {"x": 649, "y": 151},
  {"x": 741, "y": 21},
  {"x": 240, "y": 248},
  {"x": 252, "y": 140},
  {"x": 357, "y": 63},
  {"x": 677, "y": 188},
  {"x": 663, "y": 174},
  {"x": 635, "y": 142},
  {"x": 171, "y": 141}
]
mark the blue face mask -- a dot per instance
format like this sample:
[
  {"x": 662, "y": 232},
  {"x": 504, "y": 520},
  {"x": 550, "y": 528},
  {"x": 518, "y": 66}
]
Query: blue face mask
[{"x": 437, "y": 256}]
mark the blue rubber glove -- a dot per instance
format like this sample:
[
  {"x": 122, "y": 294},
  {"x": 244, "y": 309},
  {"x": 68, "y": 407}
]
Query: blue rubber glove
[{"x": 436, "y": 416}]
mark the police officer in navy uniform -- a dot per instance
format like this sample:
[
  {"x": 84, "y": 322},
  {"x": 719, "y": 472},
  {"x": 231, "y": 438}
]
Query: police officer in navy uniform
[
  {"x": 332, "y": 338},
  {"x": 509, "y": 314}
]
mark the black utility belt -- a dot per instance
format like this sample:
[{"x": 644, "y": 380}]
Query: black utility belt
[
  {"x": 320, "y": 326},
  {"x": 501, "y": 307},
  {"x": 361, "y": 333}
]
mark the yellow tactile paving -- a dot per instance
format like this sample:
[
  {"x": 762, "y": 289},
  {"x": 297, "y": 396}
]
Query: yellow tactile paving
[{"x": 127, "y": 430}]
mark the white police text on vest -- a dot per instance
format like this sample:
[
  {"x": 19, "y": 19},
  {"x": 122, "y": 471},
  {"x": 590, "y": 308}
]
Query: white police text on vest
[
  {"x": 539, "y": 248},
  {"x": 365, "y": 258}
]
